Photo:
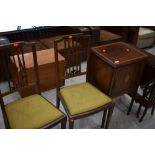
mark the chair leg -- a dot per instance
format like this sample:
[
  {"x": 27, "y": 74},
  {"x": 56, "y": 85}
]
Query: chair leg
[
  {"x": 109, "y": 116},
  {"x": 130, "y": 107},
  {"x": 71, "y": 123},
  {"x": 152, "y": 111},
  {"x": 104, "y": 118},
  {"x": 57, "y": 102},
  {"x": 139, "y": 109},
  {"x": 63, "y": 123},
  {"x": 143, "y": 114}
]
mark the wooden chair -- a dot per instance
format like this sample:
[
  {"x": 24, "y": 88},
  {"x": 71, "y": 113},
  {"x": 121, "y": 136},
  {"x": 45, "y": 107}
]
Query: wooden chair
[
  {"x": 32, "y": 111},
  {"x": 79, "y": 100},
  {"x": 146, "y": 100},
  {"x": 147, "y": 83}
]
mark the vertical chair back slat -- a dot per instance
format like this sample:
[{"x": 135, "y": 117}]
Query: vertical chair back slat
[
  {"x": 72, "y": 51},
  {"x": 16, "y": 66}
]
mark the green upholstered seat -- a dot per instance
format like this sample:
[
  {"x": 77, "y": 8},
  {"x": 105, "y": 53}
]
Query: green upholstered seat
[
  {"x": 83, "y": 97},
  {"x": 31, "y": 112}
]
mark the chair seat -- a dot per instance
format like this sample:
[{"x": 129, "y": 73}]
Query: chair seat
[
  {"x": 83, "y": 97},
  {"x": 31, "y": 112}
]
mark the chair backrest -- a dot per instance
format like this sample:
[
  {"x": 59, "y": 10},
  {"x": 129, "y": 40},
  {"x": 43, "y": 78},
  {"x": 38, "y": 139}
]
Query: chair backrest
[
  {"x": 71, "y": 47},
  {"x": 16, "y": 66},
  {"x": 149, "y": 94}
]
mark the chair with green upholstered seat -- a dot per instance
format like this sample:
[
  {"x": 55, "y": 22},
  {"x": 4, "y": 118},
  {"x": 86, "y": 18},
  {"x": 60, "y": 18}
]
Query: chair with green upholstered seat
[
  {"x": 83, "y": 99},
  {"x": 32, "y": 111}
]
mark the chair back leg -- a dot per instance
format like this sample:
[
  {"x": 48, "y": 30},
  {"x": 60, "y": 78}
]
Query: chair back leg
[
  {"x": 139, "y": 109},
  {"x": 144, "y": 113},
  {"x": 130, "y": 107},
  {"x": 152, "y": 111}
]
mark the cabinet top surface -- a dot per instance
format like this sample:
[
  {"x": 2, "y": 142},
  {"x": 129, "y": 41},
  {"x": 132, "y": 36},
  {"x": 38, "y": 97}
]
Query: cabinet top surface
[{"x": 119, "y": 53}]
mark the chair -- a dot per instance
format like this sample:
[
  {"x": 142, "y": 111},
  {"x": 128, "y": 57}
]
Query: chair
[
  {"x": 146, "y": 99},
  {"x": 32, "y": 111},
  {"x": 83, "y": 99}
]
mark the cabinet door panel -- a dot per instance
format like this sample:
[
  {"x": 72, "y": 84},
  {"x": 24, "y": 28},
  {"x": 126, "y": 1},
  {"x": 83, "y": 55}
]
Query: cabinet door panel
[{"x": 126, "y": 78}]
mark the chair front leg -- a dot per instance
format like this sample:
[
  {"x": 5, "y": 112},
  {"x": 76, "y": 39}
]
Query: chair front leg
[
  {"x": 104, "y": 118},
  {"x": 71, "y": 123},
  {"x": 63, "y": 123},
  {"x": 110, "y": 111}
]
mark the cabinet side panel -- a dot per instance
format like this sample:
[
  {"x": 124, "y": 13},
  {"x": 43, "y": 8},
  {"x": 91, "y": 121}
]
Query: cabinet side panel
[{"x": 100, "y": 74}]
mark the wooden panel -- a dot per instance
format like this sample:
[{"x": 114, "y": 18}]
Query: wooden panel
[
  {"x": 47, "y": 75},
  {"x": 44, "y": 57},
  {"x": 126, "y": 78},
  {"x": 100, "y": 74}
]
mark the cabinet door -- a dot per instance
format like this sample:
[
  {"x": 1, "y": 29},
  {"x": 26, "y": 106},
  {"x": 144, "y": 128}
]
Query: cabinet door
[{"x": 126, "y": 79}]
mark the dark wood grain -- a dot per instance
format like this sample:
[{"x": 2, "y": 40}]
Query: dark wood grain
[{"x": 116, "y": 68}]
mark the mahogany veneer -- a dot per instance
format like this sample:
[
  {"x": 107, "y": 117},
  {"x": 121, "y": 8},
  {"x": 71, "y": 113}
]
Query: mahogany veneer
[{"x": 116, "y": 68}]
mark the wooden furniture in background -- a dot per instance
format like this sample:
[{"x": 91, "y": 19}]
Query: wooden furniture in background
[
  {"x": 99, "y": 35},
  {"x": 32, "y": 111},
  {"x": 108, "y": 37},
  {"x": 116, "y": 68},
  {"x": 79, "y": 100},
  {"x": 3, "y": 73},
  {"x": 46, "y": 64},
  {"x": 128, "y": 33},
  {"x": 146, "y": 100},
  {"x": 44, "y": 37}
]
